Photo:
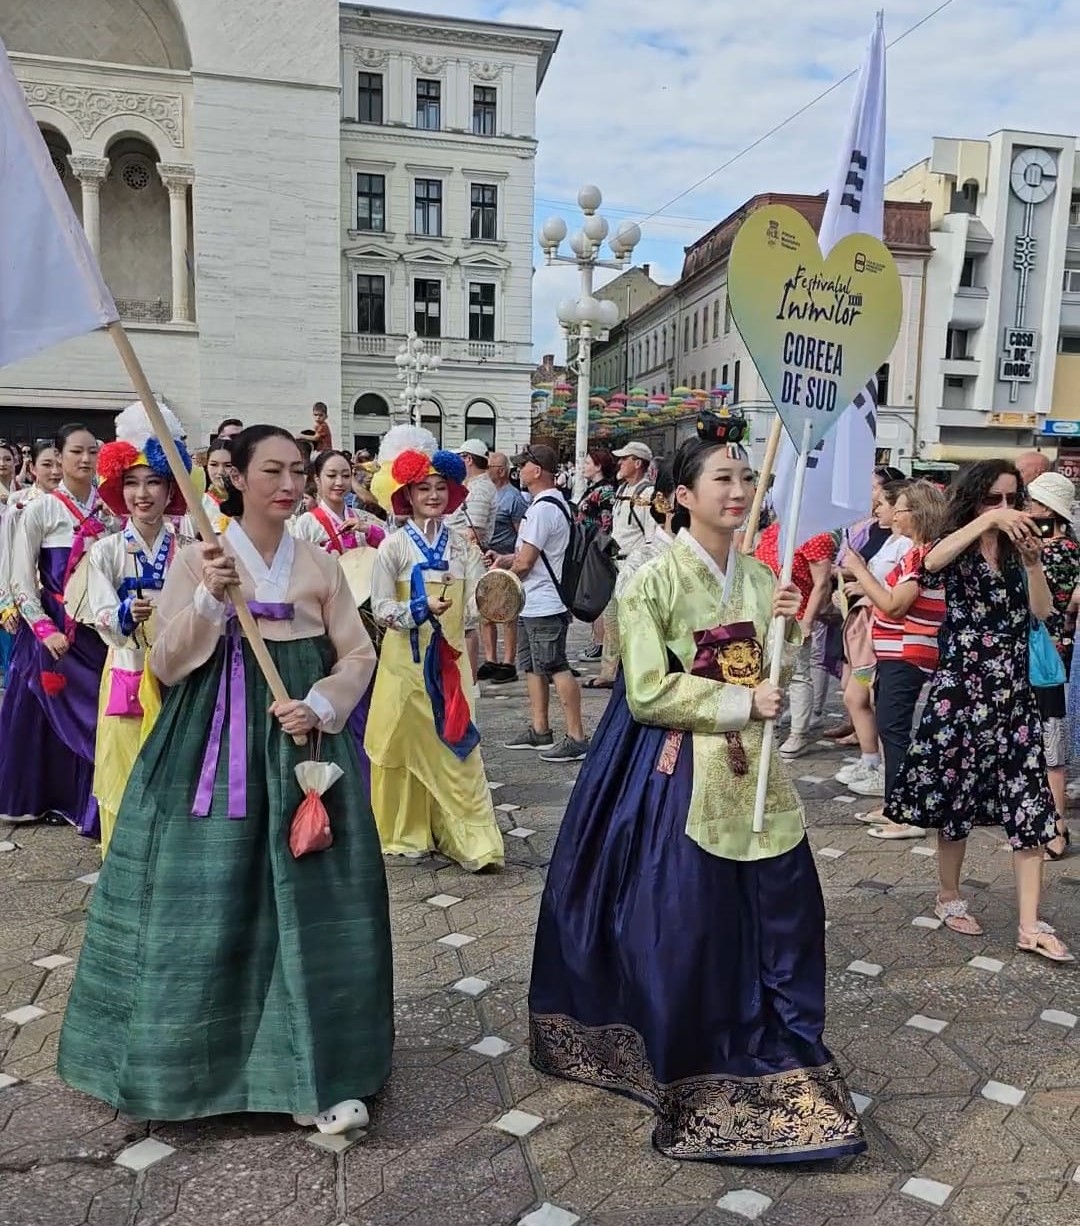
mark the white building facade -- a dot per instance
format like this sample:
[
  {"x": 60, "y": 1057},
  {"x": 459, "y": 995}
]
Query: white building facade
[
  {"x": 263, "y": 233},
  {"x": 200, "y": 145},
  {"x": 438, "y": 149},
  {"x": 1001, "y": 348}
]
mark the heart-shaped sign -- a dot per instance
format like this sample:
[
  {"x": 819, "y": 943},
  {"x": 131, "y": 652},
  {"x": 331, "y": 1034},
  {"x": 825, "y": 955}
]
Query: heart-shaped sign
[{"x": 817, "y": 329}]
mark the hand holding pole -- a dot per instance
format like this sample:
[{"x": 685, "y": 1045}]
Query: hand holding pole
[{"x": 778, "y": 630}]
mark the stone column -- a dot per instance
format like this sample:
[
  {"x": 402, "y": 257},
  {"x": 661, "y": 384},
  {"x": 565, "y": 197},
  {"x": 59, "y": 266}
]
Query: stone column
[
  {"x": 91, "y": 173},
  {"x": 177, "y": 180}
]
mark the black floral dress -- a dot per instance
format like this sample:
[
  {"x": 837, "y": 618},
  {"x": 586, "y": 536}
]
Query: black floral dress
[{"x": 977, "y": 757}]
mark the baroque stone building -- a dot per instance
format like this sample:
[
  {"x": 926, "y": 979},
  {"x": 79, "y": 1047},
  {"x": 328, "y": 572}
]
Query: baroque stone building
[{"x": 226, "y": 175}]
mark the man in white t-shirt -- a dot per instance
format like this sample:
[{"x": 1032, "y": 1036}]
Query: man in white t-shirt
[{"x": 542, "y": 542}]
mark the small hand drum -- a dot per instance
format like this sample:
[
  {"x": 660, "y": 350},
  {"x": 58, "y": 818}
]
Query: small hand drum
[{"x": 500, "y": 597}]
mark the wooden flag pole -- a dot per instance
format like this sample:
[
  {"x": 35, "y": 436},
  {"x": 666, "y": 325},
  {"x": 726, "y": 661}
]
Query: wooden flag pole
[
  {"x": 779, "y": 626},
  {"x": 195, "y": 507},
  {"x": 771, "y": 448}
]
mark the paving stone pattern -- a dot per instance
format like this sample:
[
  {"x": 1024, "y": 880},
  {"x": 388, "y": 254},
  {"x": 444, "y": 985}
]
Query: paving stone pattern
[{"x": 963, "y": 1052}]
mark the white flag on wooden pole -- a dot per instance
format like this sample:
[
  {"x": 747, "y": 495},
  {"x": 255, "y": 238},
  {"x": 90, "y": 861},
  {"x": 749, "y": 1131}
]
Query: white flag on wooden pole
[
  {"x": 51, "y": 287},
  {"x": 838, "y": 478}
]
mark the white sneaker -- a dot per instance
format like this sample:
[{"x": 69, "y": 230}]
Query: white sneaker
[
  {"x": 870, "y": 783},
  {"x": 345, "y": 1117},
  {"x": 853, "y": 770},
  {"x": 794, "y": 747}
]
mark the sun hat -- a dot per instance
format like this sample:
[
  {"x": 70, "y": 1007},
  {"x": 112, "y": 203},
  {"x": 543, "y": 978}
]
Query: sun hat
[{"x": 1056, "y": 492}]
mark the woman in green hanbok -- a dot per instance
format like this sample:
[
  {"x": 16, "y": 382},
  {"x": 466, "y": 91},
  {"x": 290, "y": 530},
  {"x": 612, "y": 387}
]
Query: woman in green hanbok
[{"x": 220, "y": 974}]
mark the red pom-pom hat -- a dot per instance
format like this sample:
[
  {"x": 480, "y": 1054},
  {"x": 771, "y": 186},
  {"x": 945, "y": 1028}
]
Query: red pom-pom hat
[{"x": 413, "y": 466}]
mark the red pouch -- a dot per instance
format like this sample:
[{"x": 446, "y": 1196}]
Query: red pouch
[{"x": 310, "y": 828}]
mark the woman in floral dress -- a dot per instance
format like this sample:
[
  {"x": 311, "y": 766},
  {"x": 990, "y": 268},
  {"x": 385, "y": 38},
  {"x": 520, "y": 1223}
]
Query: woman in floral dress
[{"x": 977, "y": 758}]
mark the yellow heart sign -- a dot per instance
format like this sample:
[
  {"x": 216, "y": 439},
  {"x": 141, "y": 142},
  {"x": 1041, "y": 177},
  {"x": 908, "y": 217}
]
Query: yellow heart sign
[{"x": 817, "y": 329}]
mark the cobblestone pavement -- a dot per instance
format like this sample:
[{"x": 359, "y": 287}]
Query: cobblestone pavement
[{"x": 965, "y": 1054}]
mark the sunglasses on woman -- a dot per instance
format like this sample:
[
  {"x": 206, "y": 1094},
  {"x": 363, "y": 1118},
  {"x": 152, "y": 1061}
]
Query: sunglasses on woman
[{"x": 1001, "y": 500}]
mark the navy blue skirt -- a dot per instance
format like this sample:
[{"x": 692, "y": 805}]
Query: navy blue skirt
[{"x": 691, "y": 983}]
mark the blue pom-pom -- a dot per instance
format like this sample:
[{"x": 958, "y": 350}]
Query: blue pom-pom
[
  {"x": 450, "y": 465},
  {"x": 155, "y": 455}
]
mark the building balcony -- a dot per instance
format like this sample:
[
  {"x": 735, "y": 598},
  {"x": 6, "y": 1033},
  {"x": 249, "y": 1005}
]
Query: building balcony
[
  {"x": 450, "y": 349},
  {"x": 969, "y": 307},
  {"x": 960, "y": 368}
]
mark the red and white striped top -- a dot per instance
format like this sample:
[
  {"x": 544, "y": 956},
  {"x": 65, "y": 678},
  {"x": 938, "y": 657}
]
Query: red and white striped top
[{"x": 915, "y": 639}]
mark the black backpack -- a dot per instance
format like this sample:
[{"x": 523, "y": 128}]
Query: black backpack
[{"x": 588, "y": 576}]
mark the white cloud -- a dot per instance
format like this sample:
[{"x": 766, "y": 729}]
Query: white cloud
[{"x": 645, "y": 98}]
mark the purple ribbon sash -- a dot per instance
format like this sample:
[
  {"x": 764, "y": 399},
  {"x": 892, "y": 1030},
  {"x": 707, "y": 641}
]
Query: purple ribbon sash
[{"x": 232, "y": 694}]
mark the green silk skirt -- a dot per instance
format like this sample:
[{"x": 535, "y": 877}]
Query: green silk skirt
[{"x": 219, "y": 974}]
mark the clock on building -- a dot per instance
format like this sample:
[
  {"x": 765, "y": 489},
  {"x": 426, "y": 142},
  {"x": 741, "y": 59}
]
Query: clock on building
[{"x": 1034, "y": 175}]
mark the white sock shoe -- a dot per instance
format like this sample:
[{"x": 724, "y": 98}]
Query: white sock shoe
[{"x": 345, "y": 1117}]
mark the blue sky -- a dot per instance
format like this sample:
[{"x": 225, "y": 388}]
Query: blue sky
[{"x": 644, "y": 98}]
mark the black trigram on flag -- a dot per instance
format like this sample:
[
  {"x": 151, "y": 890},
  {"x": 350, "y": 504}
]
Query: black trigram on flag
[
  {"x": 855, "y": 182},
  {"x": 866, "y": 404}
]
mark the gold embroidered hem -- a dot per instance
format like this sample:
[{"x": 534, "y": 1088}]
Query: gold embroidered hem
[{"x": 792, "y": 1116}]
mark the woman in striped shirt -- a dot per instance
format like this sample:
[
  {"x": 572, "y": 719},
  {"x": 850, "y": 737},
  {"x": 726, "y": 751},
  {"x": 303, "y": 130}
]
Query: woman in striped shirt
[{"x": 903, "y": 632}]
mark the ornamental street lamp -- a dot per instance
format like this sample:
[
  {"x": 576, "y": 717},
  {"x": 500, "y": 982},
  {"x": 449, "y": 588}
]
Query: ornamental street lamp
[
  {"x": 413, "y": 363},
  {"x": 587, "y": 315}
]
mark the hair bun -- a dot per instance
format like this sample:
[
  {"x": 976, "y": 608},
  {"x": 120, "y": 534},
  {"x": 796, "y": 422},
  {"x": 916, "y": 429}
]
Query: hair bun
[{"x": 726, "y": 427}]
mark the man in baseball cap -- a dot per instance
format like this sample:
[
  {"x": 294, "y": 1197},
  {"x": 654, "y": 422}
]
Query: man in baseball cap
[
  {"x": 634, "y": 450},
  {"x": 540, "y": 454}
]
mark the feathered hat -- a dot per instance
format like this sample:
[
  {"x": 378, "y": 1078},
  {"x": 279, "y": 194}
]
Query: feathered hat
[
  {"x": 407, "y": 455},
  {"x": 137, "y": 447}
]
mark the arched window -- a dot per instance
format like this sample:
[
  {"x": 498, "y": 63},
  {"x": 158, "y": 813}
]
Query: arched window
[
  {"x": 480, "y": 422},
  {"x": 371, "y": 404},
  {"x": 431, "y": 418}
]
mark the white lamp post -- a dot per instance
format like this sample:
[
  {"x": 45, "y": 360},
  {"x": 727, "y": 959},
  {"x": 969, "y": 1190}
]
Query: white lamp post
[
  {"x": 588, "y": 315},
  {"x": 413, "y": 363}
]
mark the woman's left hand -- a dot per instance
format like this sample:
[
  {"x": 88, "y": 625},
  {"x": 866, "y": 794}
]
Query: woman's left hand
[
  {"x": 295, "y": 717},
  {"x": 786, "y": 601},
  {"x": 1030, "y": 550}
]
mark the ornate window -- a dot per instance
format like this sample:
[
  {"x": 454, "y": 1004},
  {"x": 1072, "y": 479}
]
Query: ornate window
[
  {"x": 371, "y": 202},
  {"x": 428, "y": 204},
  {"x": 428, "y": 104},
  {"x": 481, "y": 311},
  {"x": 484, "y": 98},
  {"x": 370, "y": 97},
  {"x": 484, "y": 217},
  {"x": 371, "y": 304}
]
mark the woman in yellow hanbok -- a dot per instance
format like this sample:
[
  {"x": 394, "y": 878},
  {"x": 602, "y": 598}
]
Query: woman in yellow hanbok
[
  {"x": 124, "y": 576},
  {"x": 428, "y": 787}
]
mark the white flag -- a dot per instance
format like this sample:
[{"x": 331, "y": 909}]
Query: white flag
[
  {"x": 51, "y": 288},
  {"x": 840, "y": 469}
]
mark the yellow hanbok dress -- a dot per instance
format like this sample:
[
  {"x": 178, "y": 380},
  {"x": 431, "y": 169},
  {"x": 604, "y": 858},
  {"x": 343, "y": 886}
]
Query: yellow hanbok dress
[
  {"x": 119, "y": 568},
  {"x": 425, "y": 796}
]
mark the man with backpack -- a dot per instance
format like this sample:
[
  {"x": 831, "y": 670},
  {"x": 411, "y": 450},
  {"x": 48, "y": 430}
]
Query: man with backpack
[
  {"x": 632, "y": 526},
  {"x": 547, "y": 551}
]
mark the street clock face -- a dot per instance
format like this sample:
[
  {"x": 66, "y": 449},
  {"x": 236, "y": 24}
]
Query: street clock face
[{"x": 1034, "y": 175}]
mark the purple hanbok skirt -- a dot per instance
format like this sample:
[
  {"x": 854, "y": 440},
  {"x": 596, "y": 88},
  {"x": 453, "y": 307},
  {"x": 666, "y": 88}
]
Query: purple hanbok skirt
[{"x": 47, "y": 740}]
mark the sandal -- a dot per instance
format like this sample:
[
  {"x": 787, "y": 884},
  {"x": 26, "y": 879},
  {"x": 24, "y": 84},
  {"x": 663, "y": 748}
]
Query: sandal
[
  {"x": 955, "y": 915},
  {"x": 1045, "y": 942},
  {"x": 1066, "y": 840},
  {"x": 896, "y": 830},
  {"x": 598, "y": 683}
]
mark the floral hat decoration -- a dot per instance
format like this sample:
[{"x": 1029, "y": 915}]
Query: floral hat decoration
[
  {"x": 136, "y": 447},
  {"x": 409, "y": 454}
]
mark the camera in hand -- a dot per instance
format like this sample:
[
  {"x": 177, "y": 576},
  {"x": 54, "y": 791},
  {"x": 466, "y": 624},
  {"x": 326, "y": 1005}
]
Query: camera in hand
[{"x": 1044, "y": 527}]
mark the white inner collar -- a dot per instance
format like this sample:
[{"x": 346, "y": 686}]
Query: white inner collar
[
  {"x": 271, "y": 582},
  {"x": 724, "y": 578}
]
